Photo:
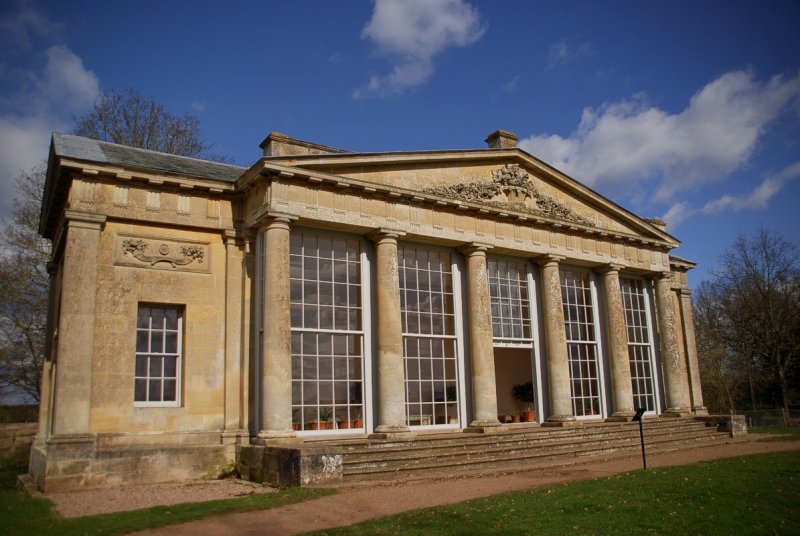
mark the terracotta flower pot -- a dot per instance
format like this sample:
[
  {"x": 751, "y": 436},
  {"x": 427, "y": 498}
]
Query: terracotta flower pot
[
  {"x": 528, "y": 416},
  {"x": 343, "y": 425},
  {"x": 515, "y": 418},
  {"x": 358, "y": 423},
  {"x": 295, "y": 426}
]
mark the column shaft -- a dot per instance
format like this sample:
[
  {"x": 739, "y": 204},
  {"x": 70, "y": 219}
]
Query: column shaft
[
  {"x": 484, "y": 388},
  {"x": 276, "y": 352},
  {"x": 674, "y": 373},
  {"x": 233, "y": 331},
  {"x": 73, "y": 382},
  {"x": 391, "y": 367},
  {"x": 616, "y": 332},
  {"x": 555, "y": 339},
  {"x": 695, "y": 387}
]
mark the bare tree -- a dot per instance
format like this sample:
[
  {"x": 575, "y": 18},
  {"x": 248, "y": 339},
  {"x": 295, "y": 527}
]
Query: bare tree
[
  {"x": 127, "y": 118},
  {"x": 131, "y": 119},
  {"x": 23, "y": 290},
  {"x": 750, "y": 312}
]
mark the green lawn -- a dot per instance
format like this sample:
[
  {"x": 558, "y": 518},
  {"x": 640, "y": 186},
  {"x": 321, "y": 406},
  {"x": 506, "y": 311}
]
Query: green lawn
[
  {"x": 21, "y": 514},
  {"x": 749, "y": 495},
  {"x": 793, "y": 432}
]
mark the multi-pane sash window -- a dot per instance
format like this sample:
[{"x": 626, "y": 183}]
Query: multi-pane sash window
[
  {"x": 576, "y": 293},
  {"x": 327, "y": 334},
  {"x": 429, "y": 336},
  {"x": 158, "y": 356},
  {"x": 508, "y": 291},
  {"x": 640, "y": 351}
]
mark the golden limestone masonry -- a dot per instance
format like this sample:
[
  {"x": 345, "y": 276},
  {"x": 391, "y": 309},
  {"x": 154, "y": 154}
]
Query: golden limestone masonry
[{"x": 205, "y": 317}]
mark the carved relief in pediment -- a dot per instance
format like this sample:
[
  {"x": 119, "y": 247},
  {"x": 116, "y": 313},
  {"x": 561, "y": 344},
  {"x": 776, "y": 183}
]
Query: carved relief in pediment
[{"x": 512, "y": 188}]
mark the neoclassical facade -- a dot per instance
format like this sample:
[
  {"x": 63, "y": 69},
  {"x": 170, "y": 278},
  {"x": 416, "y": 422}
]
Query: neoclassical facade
[{"x": 198, "y": 308}]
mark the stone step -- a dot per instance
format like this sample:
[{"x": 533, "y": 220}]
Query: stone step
[
  {"x": 421, "y": 446},
  {"x": 543, "y": 462},
  {"x": 467, "y": 449},
  {"x": 423, "y": 441},
  {"x": 505, "y": 451}
]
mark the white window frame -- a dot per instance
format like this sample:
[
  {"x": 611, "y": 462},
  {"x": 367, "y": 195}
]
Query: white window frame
[
  {"x": 598, "y": 342},
  {"x": 362, "y": 334},
  {"x": 456, "y": 282},
  {"x": 647, "y": 298},
  {"x": 178, "y": 355},
  {"x": 516, "y": 342}
]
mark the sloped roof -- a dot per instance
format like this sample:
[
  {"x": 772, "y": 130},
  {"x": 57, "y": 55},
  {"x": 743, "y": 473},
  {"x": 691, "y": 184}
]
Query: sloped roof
[{"x": 80, "y": 148}]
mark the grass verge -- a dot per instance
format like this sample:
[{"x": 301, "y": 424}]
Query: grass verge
[
  {"x": 747, "y": 495},
  {"x": 791, "y": 433},
  {"x": 21, "y": 514}
]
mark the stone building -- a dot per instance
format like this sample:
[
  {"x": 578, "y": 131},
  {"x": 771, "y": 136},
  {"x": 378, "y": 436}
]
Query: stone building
[{"x": 197, "y": 308}]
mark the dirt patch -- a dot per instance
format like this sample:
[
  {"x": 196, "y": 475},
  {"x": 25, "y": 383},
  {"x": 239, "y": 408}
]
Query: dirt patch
[{"x": 104, "y": 501}]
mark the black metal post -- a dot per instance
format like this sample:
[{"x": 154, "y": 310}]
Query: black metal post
[{"x": 640, "y": 417}]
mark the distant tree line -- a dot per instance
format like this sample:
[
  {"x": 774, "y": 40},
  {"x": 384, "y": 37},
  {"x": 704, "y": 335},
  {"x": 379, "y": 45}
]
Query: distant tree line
[{"x": 747, "y": 320}]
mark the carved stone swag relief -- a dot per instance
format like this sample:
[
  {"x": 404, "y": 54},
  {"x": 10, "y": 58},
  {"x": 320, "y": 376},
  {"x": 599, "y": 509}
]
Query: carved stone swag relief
[
  {"x": 515, "y": 184},
  {"x": 165, "y": 254}
]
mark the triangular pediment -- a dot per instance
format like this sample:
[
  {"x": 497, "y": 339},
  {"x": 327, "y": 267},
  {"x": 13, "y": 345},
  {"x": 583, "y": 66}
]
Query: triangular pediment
[{"x": 510, "y": 180}]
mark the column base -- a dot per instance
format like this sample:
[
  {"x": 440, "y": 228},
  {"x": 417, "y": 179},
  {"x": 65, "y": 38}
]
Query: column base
[
  {"x": 486, "y": 427},
  {"x": 393, "y": 436},
  {"x": 677, "y": 412},
  {"x": 276, "y": 437},
  {"x": 561, "y": 421},
  {"x": 700, "y": 410},
  {"x": 235, "y": 437},
  {"x": 621, "y": 416}
]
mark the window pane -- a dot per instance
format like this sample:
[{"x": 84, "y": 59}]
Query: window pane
[
  {"x": 169, "y": 390},
  {"x": 140, "y": 390}
]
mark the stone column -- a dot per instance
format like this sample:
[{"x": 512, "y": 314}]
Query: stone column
[
  {"x": 48, "y": 367},
  {"x": 391, "y": 366},
  {"x": 276, "y": 351},
  {"x": 674, "y": 373},
  {"x": 696, "y": 390},
  {"x": 73, "y": 383},
  {"x": 484, "y": 388},
  {"x": 616, "y": 333},
  {"x": 233, "y": 335},
  {"x": 555, "y": 338}
]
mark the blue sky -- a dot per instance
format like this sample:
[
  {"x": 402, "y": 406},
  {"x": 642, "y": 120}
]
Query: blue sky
[{"x": 689, "y": 111}]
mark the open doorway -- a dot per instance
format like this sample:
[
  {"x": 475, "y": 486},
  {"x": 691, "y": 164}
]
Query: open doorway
[{"x": 512, "y": 368}]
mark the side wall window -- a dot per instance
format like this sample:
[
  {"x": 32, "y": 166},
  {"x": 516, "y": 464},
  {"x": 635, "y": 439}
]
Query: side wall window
[{"x": 158, "y": 355}]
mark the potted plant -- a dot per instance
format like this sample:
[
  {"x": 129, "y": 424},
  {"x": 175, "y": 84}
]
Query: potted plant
[
  {"x": 524, "y": 393},
  {"x": 326, "y": 419},
  {"x": 295, "y": 421},
  {"x": 358, "y": 422}
]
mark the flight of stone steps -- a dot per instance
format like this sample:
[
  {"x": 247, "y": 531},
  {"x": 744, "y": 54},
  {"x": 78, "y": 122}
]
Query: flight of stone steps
[{"x": 443, "y": 455}]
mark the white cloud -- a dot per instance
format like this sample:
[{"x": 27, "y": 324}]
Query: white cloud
[
  {"x": 34, "y": 103},
  {"x": 563, "y": 52},
  {"x": 757, "y": 199},
  {"x": 25, "y": 23},
  {"x": 512, "y": 85},
  {"x": 620, "y": 146},
  {"x": 412, "y": 33}
]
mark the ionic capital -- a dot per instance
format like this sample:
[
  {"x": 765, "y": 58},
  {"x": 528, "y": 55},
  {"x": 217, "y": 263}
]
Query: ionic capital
[
  {"x": 383, "y": 235},
  {"x": 475, "y": 248},
  {"x": 609, "y": 268},
  {"x": 277, "y": 220},
  {"x": 548, "y": 260}
]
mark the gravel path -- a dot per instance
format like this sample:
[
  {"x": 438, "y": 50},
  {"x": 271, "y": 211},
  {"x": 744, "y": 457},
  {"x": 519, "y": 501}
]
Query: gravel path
[{"x": 356, "y": 504}]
